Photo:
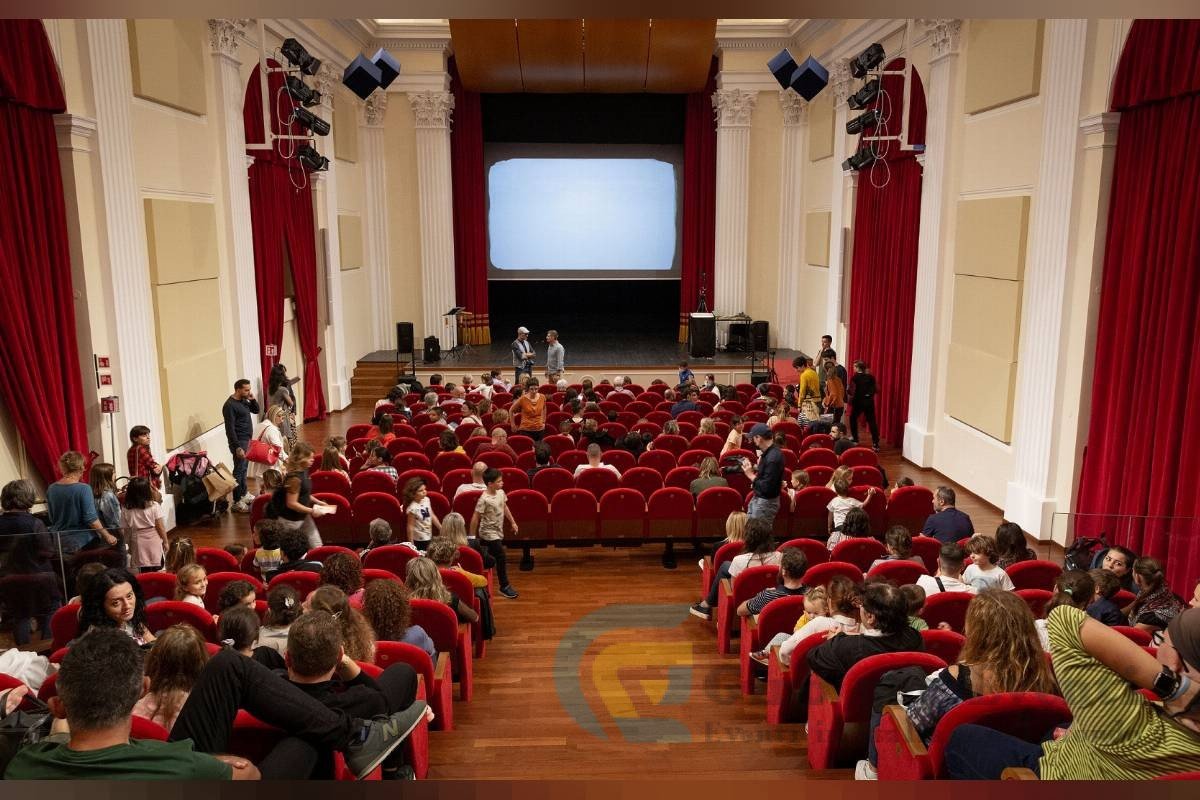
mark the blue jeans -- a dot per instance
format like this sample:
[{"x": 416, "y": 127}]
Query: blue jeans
[
  {"x": 715, "y": 588},
  {"x": 763, "y": 508},
  {"x": 240, "y": 465},
  {"x": 975, "y": 752}
]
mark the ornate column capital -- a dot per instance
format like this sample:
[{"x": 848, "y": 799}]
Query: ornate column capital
[
  {"x": 795, "y": 107},
  {"x": 432, "y": 109},
  {"x": 840, "y": 80},
  {"x": 734, "y": 107},
  {"x": 325, "y": 81},
  {"x": 943, "y": 36},
  {"x": 223, "y": 36},
  {"x": 375, "y": 109}
]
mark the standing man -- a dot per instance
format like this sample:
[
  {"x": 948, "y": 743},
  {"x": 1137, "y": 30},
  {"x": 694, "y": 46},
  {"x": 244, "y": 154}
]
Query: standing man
[
  {"x": 522, "y": 353},
  {"x": 767, "y": 478},
  {"x": 529, "y": 411},
  {"x": 819, "y": 363},
  {"x": 555, "y": 354},
  {"x": 861, "y": 397},
  {"x": 239, "y": 413}
]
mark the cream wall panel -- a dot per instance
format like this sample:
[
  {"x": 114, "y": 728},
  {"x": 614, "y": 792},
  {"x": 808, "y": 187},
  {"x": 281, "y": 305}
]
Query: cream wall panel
[
  {"x": 818, "y": 179},
  {"x": 356, "y": 315},
  {"x": 181, "y": 239},
  {"x": 350, "y": 237},
  {"x": 72, "y": 69},
  {"x": 404, "y": 224},
  {"x": 1004, "y": 63},
  {"x": 973, "y": 459},
  {"x": 345, "y": 126},
  {"x": 194, "y": 389},
  {"x": 1001, "y": 149},
  {"x": 991, "y": 237},
  {"x": 987, "y": 315},
  {"x": 980, "y": 391},
  {"x": 762, "y": 258},
  {"x": 820, "y": 127},
  {"x": 814, "y": 284},
  {"x": 167, "y": 60},
  {"x": 816, "y": 238},
  {"x": 189, "y": 319},
  {"x": 174, "y": 152},
  {"x": 350, "y": 187}
]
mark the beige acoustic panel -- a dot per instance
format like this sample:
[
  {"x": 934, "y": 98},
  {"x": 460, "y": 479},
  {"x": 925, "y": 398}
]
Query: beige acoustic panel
[
  {"x": 820, "y": 128},
  {"x": 181, "y": 237},
  {"x": 193, "y": 391},
  {"x": 345, "y": 127},
  {"x": 350, "y": 240},
  {"x": 987, "y": 315},
  {"x": 188, "y": 319},
  {"x": 816, "y": 238},
  {"x": 166, "y": 57},
  {"x": 991, "y": 236},
  {"x": 1004, "y": 62},
  {"x": 1001, "y": 151},
  {"x": 980, "y": 390}
]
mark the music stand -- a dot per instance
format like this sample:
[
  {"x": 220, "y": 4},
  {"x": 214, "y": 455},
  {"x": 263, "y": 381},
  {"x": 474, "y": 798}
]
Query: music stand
[{"x": 451, "y": 318}]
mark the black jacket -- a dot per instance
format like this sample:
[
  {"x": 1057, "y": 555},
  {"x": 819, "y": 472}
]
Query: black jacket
[
  {"x": 834, "y": 659},
  {"x": 768, "y": 481}
]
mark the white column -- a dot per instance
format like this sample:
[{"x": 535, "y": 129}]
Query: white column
[
  {"x": 224, "y": 35},
  {"x": 734, "y": 109},
  {"x": 791, "y": 215},
  {"x": 431, "y": 111},
  {"x": 931, "y": 249},
  {"x": 374, "y": 159},
  {"x": 842, "y": 84},
  {"x": 135, "y": 356},
  {"x": 1029, "y": 501}
]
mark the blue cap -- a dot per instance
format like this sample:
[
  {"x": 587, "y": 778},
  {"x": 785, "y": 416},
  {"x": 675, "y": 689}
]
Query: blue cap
[{"x": 761, "y": 430}]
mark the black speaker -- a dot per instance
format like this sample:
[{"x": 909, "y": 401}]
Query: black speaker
[
  {"x": 702, "y": 333},
  {"x": 760, "y": 333},
  {"x": 759, "y": 377},
  {"x": 404, "y": 337},
  {"x": 739, "y": 337},
  {"x": 433, "y": 349}
]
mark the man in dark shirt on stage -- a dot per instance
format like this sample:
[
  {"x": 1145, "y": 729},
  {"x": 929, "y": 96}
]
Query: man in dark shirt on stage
[
  {"x": 767, "y": 477},
  {"x": 947, "y": 524}
]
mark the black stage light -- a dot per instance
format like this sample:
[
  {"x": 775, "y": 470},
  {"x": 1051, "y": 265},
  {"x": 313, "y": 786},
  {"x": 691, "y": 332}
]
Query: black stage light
[
  {"x": 310, "y": 158},
  {"x": 311, "y": 121},
  {"x": 362, "y": 77},
  {"x": 863, "y": 121},
  {"x": 389, "y": 68},
  {"x": 298, "y": 57},
  {"x": 867, "y": 60},
  {"x": 865, "y": 157},
  {"x": 301, "y": 92},
  {"x": 864, "y": 96}
]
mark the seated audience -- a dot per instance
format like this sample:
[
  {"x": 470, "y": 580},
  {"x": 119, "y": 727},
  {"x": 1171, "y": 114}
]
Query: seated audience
[
  {"x": 268, "y": 557},
  {"x": 113, "y": 599},
  {"x": 1073, "y": 588},
  {"x": 797, "y": 480},
  {"x": 331, "y": 461},
  {"x": 357, "y": 636},
  {"x": 238, "y": 629},
  {"x": 816, "y": 604},
  {"x": 735, "y": 531},
  {"x": 632, "y": 443},
  {"x": 983, "y": 573},
  {"x": 499, "y": 444},
  {"x": 380, "y": 460},
  {"x": 898, "y": 542},
  {"x": 180, "y": 553},
  {"x": 792, "y": 566},
  {"x": 423, "y": 580},
  {"x": 73, "y": 514},
  {"x": 856, "y": 524},
  {"x": 387, "y": 611},
  {"x": 340, "y": 444},
  {"x": 191, "y": 583},
  {"x": 759, "y": 550},
  {"x": 476, "y": 484},
  {"x": 885, "y": 629},
  {"x": 1119, "y": 561},
  {"x": 345, "y": 572},
  {"x": 949, "y": 573},
  {"x": 845, "y": 598},
  {"x": 172, "y": 667},
  {"x": 841, "y": 440},
  {"x": 594, "y": 454},
  {"x": 283, "y": 608},
  {"x": 947, "y": 523},
  {"x": 688, "y": 403},
  {"x": 590, "y": 433},
  {"x": 838, "y": 507},
  {"x": 444, "y": 552},
  {"x": 1156, "y": 605},
  {"x": 83, "y": 579},
  {"x": 1010, "y": 545},
  {"x": 1102, "y": 607},
  {"x": 915, "y": 596},
  {"x": 294, "y": 545},
  {"x": 543, "y": 458},
  {"x": 448, "y": 443},
  {"x": 379, "y": 532},
  {"x": 237, "y": 593},
  {"x": 710, "y": 476}
]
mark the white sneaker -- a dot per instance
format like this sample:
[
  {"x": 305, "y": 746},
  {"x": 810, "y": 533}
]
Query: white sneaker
[
  {"x": 863, "y": 771},
  {"x": 700, "y": 563}
]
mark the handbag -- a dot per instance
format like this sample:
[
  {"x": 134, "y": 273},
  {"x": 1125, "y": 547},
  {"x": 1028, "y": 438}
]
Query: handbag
[
  {"x": 219, "y": 482},
  {"x": 260, "y": 452},
  {"x": 22, "y": 728}
]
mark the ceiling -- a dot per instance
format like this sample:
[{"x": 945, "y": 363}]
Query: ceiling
[{"x": 583, "y": 55}]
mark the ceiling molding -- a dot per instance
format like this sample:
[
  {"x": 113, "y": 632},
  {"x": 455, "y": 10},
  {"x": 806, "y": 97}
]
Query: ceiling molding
[
  {"x": 757, "y": 80},
  {"x": 316, "y": 44},
  {"x": 872, "y": 30}
]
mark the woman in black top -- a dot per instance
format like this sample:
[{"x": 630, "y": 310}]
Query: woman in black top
[
  {"x": 861, "y": 392},
  {"x": 292, "y": 503}
]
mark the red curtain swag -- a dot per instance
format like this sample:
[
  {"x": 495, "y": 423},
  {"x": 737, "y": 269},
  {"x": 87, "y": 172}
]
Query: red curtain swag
[
  {"x": 281, "y": 216},
  {"x": 699, "y": 201},
  {"x": 883, "y": 274},
  {"x": 470, "y": 213},
  {"x": 1141, "y": 492},
  {"x": 40, "y": 381}
]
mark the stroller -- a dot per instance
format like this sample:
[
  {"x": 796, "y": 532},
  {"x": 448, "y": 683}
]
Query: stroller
[{"x": 186, "y": 472}]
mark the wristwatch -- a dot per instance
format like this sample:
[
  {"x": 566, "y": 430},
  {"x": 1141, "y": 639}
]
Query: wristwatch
[{"x": 1166, "y": 683}]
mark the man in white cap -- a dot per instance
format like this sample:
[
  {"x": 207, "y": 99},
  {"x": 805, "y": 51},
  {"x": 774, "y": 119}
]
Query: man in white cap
[{"x": 522, "y": 352}]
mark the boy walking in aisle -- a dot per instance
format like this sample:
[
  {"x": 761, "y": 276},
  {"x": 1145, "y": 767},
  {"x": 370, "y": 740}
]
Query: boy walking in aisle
[{"x": 487, "y": 523}]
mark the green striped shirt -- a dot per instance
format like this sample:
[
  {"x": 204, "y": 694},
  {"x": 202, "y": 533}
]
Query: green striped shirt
[{"x": 1116, "y": 734}]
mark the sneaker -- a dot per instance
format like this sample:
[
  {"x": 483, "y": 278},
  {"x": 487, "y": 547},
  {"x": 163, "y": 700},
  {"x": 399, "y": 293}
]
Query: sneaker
[
  {"x": 380, "y": 736},
  {"x": 509, "y": 592},
  {"x": 703, "y": 612},
  {"x": 863, "y": 771},
  {"x": 762, "y": 656},
  {"x": 701, "y": 563},
  {"x": 240, "y": 507}
]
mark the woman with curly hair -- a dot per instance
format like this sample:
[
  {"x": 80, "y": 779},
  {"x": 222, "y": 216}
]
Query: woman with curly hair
[
  {"x": 357, "y": 636},
  {"x": 386, "y": 609},
  {"x": 113, "y": 599},
  {"x": 345, "y": 572}
]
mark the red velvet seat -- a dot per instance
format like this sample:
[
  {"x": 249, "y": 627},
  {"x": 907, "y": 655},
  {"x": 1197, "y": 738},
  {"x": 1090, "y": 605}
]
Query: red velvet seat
[
  {"x": 495, "y": 458},
  {"x": 661, "y": 461},
  {"x": 372, "y": 574},
  {"x": 525, "y": 462},
  {"x": 573, "y": 514},
  {"x": 329, "y": 482},
  {"x": 814, "y": 552},
  {"x": 711, "y": 564},
  {"x": 670, "y": 514},
  {"x": 520, "y": 443},
  {"x": 867, "y": 476},
  {"x": 432, "y": 481},
  {"x": 338, "y": 526},
  {"x": 623, "y": 460},
  {"x": 822, "y": 440},
  {"x": 465, "y": 503},
  {"x": 448, "y": 637},
  {"x": 558, "y": 444},
  {"x": 165, "y": 613},
  {"x": 403, "y": 462},
  {"x": 713, "y": 507},
  {"x": 818, "y": 476},
  {"x": 784, "y": 682},
  {"x": 470, "y": 560},
  {"x": 379, "y": 505},
  {"x": 1036, "y": 599},
  {"x": 460, "y": 586},
  {"x": 948, "y": 607},
  {"x": 472, "y": 445},
  {"x": 927, "y": 548},
  {"x": 393, "y": 558},
  {"x": 909, "y": 507},
  {"x": 439, "y": 505},
  {"x": 692, "y": 457},
  {"x": 258, "y": 508},
  {"x": 157, "y": 584},
  {"x": 732, "y": 594},
  {"x": 681, "y": 477},
  {"x": 596, "y": 481},
  {"x": 622, "y": 516},
  {"x": 1135, "y": 635},
  {"x": 900, "y": 572},
  {"x": 532, "y": 512},
  {"x": 859, "y": 457},
  {"x": 358, "y": 431},
  {"x": 838, "y": 720},
  {"x": 570, "y": 459},
  {"x": 435, "y": 677},
  {"x": 778, "y": 616},
  {"x": 454, "y": 479},
  {"x": 822, "y": 574},
  {"x": 643, "y": 480},
  {"x": 810, "y": 515},
  {"x": 709, "y": 443},
  {"x": 325, "y": 551},
  {"x": 305, "y": 583},
  {"x": 446, "y": 461},
  {"x": 549, "y": 482},
  {"x": 672, "y": 443},
  {"x": 214, "y": 559},
  {"x": 817, "y": 457},
  {"x": 514, "y": 478},
  {"x": 946, "y": 645},
  {"x": 859, "y": 551},
  {"x": 903, "y": 756},
  {"x": 217, "y": 581},
  {"x": 1034, "y": 574},
  {"x": 64, "y": 625}
]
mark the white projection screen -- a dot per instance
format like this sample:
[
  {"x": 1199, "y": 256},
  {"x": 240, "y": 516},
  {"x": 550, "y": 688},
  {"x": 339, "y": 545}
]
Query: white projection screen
[{"x": 583, "y": 211}]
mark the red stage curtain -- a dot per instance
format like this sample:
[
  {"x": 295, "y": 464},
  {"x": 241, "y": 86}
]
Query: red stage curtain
[
  {"x": 883, "y": 275},
  {"x": 699, "y": 201},
  {"x": 40, "y": 382},
  {"x": 281, "y": 215},
  {"x": 470, "y": 213},
  {"x": 1150, "y": 312}
]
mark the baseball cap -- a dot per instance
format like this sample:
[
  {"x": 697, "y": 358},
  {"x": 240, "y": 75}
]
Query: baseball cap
[
  {"x": 522, "y": 329},
  {"x": 761, "y": 430}
]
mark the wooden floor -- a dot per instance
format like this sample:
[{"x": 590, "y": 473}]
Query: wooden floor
[{"x": 598, "y": 671}]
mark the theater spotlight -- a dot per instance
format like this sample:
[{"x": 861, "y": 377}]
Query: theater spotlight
[
  {"x": 298, "y": 57},
  {"x": 867, "y": 60},
  {"x": 863, "y": 121},
  {"x": 311, "y": 121},
  {"x": 865, "y": 157},
  {"x": 301, "y": 92},
  {"x": 310, "y": 158},
  {"x": 864, "y": 96}
]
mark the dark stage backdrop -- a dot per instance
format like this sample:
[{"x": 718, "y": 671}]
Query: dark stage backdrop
[
  {"x": 584, "y": 309},
  {"x": 588, "y": 118}
]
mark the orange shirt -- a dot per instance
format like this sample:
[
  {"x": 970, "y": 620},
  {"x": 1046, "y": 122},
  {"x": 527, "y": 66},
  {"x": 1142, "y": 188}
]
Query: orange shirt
[
  {"x": 530, "y": 414},
  {"x": 835, "y": 393}
]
